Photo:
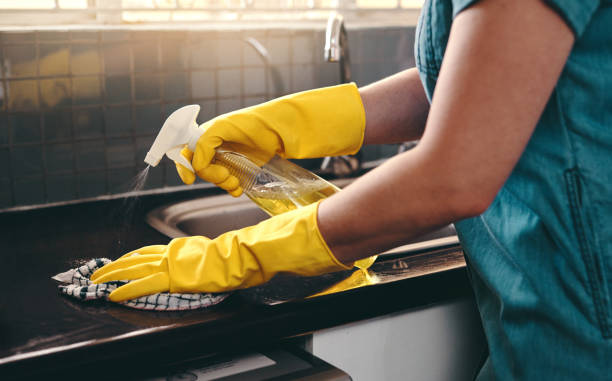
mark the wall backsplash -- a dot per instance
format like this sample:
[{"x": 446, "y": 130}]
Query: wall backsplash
[{"x": 80, "y": 108}]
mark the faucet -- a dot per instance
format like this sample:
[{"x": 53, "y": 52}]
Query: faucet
[
  {"x": 336, "y": 45},
  {"x": 337, "y": 50}
]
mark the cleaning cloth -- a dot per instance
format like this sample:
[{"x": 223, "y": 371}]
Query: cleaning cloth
[{"x": 76, "y": 284}]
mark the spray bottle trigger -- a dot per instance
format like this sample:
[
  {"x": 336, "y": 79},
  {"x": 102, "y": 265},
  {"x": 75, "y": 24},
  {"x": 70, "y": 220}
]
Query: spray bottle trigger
[{"x": 175, "y": 155}]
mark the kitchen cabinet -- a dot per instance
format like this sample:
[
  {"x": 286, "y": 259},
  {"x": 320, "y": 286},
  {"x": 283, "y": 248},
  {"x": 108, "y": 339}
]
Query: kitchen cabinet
[{"x": 440, "y": 342}]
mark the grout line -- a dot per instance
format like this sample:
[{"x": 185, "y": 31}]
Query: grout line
[
  {"x": 103, "y": 94},
  {"x": 43, "y": 146},
  {"x": 132, "y": 104},
  {"x": 162, "y": 94}
]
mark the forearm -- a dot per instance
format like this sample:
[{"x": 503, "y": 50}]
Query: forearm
[
  {"x": 396, "y": 108},
  {"x": 487, "y": 104},
  {"x": 391, "y": 205}
]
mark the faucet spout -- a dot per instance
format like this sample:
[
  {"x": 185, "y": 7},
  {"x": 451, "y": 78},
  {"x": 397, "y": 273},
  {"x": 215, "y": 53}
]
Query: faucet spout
[
  {"x": 337, "y": 50},
  {"x": 336, "y": 45}
]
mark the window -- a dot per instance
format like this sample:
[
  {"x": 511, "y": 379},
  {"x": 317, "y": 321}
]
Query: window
[{"x": 41, "y": 12}]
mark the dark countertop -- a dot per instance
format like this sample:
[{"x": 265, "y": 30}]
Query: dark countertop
[{"x": 43, "y": 333}]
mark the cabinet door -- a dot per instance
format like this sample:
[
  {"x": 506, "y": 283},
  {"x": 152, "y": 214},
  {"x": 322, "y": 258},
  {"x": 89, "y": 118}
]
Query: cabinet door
[{"x": 439, "y": 342}]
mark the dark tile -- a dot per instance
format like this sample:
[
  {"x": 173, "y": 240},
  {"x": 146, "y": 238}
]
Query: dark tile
[
  {"x": 145, "y": 57},
  {"x": 327, "y": 74},
  {"x": 54, "y": 36},
  {"x": 175, "y": 55},
  {"x": 372, "y": 48},
  {"x": 26, "y": 161},
  {"x": 89, "y": 123},
  {"x": 227, "y": 105},
  {"x": 147, "y": 118},
  {"x": 120, "y": 179},
  {"x": 176, "y": 86},
  {"x": 252, "y": 101},
  {"x": 2, "y": 63},
  {"x": 59, "y": 157},
  {"x": 229, "y": 82},
  {"x": 143, "y": 144},
  {"x": 357, "y": 51},
  {"x": 155, "y": 177},
  {"x": 61, "y": 187},
  {"x": 389, "y": 68},
  {"x": 204, "y": 53},
  {"x": 174, "y": 35},
  {"x": 6, "y": 193},
  {"x": 373, "y": 72},
  {"x": 25, "y": 128},
  {"x": 302, "y": 49},
  {"x": 254, "y": 81},
  {"x": 145, "y": 35},
  {"x": 86, "y": 90},
  {"x": 91, "y": 184},
  {"x": 141, "y": 166},
  {"x": 302, "y": 78},
  {"x": 4, "y": 130},
  {"x": 169, "y": 108},
  {"x": 147, "y": 87},
  {"x": 84, "y": 35},
  {"x": 116, "y": 59},
  {"x": 22, "y": 95},
  {"x": 17, "y": 37},
  {"x": 118, "y": 120},
  {"x": 20, "y": 61},
  {"x": 208, "y": 110},
  {"x": 29, "y": 190},
  {"x": 90, "y": 155},
  {"x": 119, "y": 152},
  {"x": 357, "y": 72},
  {"x": 172, "y": 178},
  {"x": 391, "y": 43},
  {"x": 55, "y": 92},
  {"x": 85, "y": 59},
  {"x": 278, "y": 47},
  {"x": 118, "y": 89},
  {"x": 115, "y": 35},
  {"x": 279, "y": 79},
  {"x": 229, "y": 52},
  {"x": 54, "y": 59},
  {"x": 203, "y": 84},
  {"x": 57, "y": 126},
  {"x": 5, "y": 162}
]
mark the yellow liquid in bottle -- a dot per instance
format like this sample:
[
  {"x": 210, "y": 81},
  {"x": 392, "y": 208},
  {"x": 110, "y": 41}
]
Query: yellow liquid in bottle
[{"x": 276, "y": 199}]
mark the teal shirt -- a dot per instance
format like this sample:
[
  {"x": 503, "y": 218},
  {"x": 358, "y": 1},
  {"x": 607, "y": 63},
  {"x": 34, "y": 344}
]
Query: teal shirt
[{"x": 540, "y": 257}]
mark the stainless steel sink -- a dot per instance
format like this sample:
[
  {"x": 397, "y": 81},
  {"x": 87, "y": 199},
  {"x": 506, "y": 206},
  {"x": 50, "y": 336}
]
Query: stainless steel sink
[{"x": 212, "y": 216}]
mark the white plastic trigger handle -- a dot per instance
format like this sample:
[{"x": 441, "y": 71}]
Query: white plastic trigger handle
[{"x": 175, "y": 154}]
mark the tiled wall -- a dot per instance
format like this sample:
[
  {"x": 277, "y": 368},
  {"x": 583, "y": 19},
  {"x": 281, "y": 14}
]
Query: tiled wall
[{"x": 80, "y": 108}]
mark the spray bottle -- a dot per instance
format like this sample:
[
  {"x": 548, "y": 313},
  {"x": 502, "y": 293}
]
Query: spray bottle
[{"x": 276, "y": 187}]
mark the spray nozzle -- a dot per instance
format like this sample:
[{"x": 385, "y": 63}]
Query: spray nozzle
[{"x": 178, "y": 131}]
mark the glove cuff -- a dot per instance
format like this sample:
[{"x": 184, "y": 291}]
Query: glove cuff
[{"x": 324, "y": 244}]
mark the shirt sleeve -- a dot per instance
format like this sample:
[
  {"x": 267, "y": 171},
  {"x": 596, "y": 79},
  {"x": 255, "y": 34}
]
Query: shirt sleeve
[{"x": 575, "y": 13}]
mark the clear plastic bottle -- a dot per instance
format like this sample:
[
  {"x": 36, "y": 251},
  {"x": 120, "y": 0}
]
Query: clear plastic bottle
[{"x": 279, "y": 185}]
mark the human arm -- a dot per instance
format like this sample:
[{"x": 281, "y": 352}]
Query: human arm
[
  {"x": 501, "y": 64},
  {"x": 396, "y": 108}
]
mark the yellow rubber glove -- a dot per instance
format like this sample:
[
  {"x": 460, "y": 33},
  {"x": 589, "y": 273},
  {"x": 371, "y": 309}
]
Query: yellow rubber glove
[
  {"x": 328, "y": 121},
  {"x": 289, "y": 242}
]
